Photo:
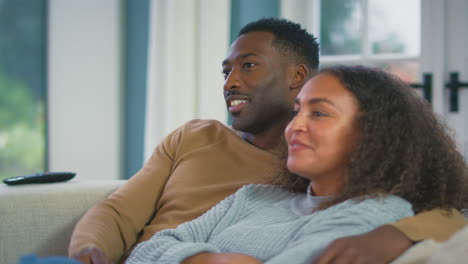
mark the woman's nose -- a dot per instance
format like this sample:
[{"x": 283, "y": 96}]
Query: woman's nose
[{"x": 296, "y": 124}]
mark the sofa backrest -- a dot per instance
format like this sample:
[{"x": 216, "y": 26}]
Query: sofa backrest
[{"x": 39, "y": 218}]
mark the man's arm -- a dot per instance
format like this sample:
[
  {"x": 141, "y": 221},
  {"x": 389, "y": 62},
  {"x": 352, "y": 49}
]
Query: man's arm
[
  {"x": 111, "y": 227},
  {"x": 436, "y": 224},
  {"x": 378, "y": 246},
  {"x": 386, "y": 243}
]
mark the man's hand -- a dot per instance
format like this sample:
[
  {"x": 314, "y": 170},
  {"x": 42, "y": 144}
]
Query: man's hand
[
  {"x": 220, "y": 258},
  {"x": 92, "y": 255},
  {"x": 381, "y": 245}
]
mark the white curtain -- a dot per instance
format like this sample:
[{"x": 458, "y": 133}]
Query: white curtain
[{"x": 187, "y": 43}]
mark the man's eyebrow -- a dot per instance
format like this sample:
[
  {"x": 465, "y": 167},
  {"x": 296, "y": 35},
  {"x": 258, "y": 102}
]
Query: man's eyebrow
[{"x": 240, "y": 56}]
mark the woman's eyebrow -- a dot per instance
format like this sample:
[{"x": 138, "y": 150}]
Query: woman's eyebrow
[{"x": 316, "y": 101}]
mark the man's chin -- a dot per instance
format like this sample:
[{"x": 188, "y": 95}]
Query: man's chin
[
  {"x": 238, "y": 124},
  {"x": 235, "y": 124}
]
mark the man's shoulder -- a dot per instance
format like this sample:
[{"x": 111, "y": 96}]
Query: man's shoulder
[
  {"x": 201, "y": 133},
  {"x": 205, "y": 125}
]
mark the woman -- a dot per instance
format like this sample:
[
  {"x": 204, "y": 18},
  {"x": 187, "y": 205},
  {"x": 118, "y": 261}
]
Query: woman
[{"x": 365, "y": 147}]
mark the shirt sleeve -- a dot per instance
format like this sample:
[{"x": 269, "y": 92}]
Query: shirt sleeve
[
  {"x": 351, "y": 219},
  {"x": 436, "y": 224},
  {"x": 113, "y": 225},
  {"x": 190, "y": 238}
]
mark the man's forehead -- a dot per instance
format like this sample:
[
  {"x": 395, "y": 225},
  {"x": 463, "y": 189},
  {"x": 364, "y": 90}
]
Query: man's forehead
[
  {"x": 240, "y": 56},
  {"x": 256, "y": 38},
  {"x": 250, "y": 44}
]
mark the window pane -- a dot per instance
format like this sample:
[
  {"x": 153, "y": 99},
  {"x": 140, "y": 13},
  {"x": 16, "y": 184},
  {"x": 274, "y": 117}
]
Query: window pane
[
  {"x": 408, "y": 71},
  {"x": 340, "y": 27},
  {"x": 22, "y": 87},
  {"x": 394, "y": 26}
]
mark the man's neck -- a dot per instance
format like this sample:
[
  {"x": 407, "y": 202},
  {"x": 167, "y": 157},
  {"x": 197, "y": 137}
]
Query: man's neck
[{"x": 271, "y": 140}]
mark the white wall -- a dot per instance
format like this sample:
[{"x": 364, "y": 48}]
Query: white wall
[{"x": 84, "y": 87}]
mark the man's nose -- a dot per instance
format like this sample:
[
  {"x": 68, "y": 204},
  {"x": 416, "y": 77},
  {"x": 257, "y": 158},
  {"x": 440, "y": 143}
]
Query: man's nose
[{"x": 232, "y": 81}]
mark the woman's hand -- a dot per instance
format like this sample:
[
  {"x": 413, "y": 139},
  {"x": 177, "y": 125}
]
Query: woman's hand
[{"x": 220, "y": 258}]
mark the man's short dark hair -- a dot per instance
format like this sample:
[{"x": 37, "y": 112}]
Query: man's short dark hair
[{"x": 290, "y": 39}]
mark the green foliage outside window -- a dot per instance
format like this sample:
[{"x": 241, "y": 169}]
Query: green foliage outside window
[
  {"x": 22, "y": 144},
  {"x": 22, "y": 87}
]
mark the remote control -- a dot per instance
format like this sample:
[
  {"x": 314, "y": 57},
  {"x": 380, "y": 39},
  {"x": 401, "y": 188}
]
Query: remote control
[{"x": 45, "y": 177}]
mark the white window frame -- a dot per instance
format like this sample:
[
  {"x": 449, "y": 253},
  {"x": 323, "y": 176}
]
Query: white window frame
[{"x": 308, "y": 12}]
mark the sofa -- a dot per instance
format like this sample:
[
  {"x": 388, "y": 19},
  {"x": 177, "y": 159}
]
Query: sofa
[{"x": 39, "y": 218}]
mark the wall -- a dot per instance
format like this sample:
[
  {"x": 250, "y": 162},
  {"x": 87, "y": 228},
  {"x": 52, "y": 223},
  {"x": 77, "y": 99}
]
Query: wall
[{"x": 84, "y": 87}]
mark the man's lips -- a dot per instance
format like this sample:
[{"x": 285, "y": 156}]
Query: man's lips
[{"x": 236, "y": 103}]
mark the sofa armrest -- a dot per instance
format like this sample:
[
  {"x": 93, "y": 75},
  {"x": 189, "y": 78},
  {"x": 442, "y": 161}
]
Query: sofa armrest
[{"x": 39, "y": 218}]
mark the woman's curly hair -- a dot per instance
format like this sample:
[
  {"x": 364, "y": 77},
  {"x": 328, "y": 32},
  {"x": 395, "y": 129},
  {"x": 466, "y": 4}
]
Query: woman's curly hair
[{"x": 404, "y": 148}]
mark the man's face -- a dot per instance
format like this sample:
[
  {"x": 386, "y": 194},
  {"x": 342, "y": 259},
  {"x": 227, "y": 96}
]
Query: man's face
[{"x": 257, "y": 83}]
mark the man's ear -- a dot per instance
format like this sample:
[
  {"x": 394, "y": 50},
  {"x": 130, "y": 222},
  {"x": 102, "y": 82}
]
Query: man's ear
[{"x": 301, "y": 75}]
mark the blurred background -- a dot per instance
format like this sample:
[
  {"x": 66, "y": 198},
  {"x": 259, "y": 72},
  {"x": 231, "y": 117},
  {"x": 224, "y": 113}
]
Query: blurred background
[{"x": 93, "y": 86}]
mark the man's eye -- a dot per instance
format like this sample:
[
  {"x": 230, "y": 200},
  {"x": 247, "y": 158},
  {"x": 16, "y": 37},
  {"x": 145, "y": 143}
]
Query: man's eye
[
  {"x": 249, "y": 65},
  {"x": 226, "y": 72},
  {"x": 295, "y": 112}
]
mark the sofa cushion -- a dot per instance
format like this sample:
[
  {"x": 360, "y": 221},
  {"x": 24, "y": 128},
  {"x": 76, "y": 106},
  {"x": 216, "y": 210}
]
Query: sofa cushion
[{"x": 39, "y": 218}]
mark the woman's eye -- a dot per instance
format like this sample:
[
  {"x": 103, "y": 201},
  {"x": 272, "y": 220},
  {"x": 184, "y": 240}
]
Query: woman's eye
[
  {"x": 295, "y": 112},
  {"x": 318, "y": 114}
]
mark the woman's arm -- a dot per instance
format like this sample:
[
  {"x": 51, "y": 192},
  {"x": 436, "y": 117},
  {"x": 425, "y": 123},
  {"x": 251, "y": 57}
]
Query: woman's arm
[
  {"x": 351, "y": 219},
  {"x": 190, "y": 239}
]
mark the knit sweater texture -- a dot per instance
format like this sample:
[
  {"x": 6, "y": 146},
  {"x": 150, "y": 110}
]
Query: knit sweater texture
[
  {"x": 191, "y": 170},
  {"x": 270, "y": 224}
]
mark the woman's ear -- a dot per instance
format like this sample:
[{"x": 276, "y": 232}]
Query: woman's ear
[{"x": 301, "y": 75}]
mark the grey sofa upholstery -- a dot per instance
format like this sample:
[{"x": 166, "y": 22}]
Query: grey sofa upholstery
[{"x": 39, "y": 218}]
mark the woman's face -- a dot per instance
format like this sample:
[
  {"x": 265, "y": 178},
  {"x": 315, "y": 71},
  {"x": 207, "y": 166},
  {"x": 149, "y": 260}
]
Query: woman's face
[{"x": 322, "y": 134}]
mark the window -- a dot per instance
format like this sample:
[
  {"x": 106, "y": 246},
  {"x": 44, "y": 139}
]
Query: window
[
  {"x": 22, "y": 87},
  {"x": 410, "y": 38},
  {"x": 380, "y": 33}
]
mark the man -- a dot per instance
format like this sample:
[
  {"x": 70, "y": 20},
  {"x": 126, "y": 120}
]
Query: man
[{"x": 202, "y": 162}]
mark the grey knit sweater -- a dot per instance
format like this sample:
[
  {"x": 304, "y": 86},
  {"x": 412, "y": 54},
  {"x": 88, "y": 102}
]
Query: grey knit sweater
[{"x": 270, "y": 224}]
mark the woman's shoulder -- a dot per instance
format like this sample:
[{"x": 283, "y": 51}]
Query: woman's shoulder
[
  {"x": 265, "y": 193},
  {"x": 376, "y": 207}
]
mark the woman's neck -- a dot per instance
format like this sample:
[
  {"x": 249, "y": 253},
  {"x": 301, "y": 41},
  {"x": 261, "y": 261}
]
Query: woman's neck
[{"x": 326, "y": 185}]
